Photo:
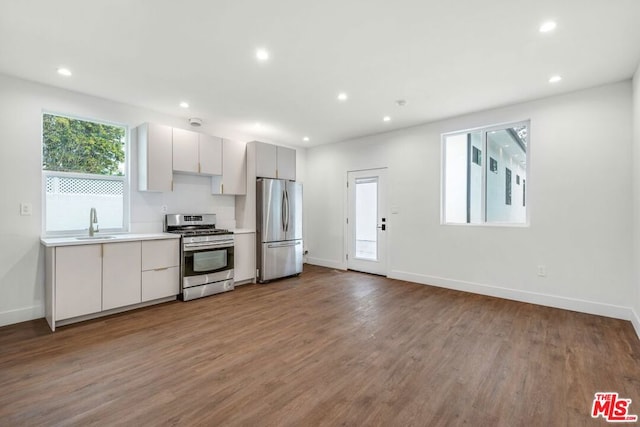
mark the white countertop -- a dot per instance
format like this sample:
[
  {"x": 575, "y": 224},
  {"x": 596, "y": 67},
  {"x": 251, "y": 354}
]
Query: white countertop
[{"x": 104, "y": 238}]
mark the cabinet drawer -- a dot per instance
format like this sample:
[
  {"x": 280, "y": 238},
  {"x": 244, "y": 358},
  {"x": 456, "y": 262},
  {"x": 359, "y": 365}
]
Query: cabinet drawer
[
  {"x": 160, "y": 254},
  {"x": 160, "y": 283}
]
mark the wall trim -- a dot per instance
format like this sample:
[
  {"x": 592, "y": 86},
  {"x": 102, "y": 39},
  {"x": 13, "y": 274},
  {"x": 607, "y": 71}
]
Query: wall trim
[
  {"x": 329, "y": 263},
  {"x": 24, "y": 314},
  {"x": 573, "y": 304},
  {"x": 635, "y": 321}
]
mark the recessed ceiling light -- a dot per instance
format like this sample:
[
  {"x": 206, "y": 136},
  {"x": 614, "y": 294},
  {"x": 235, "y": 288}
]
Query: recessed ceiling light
[
  {"x": 548, "y": 26},
  {"x": 262, "y": 54},
  {"x": 555, "y": 79},
  {"x": 386, "y": 119},
  {"x": 258, "y": 125},
  {"x": 305, "y": 139},
  {"x": 184, "y": 104},
  {"x": 342, "y": 96},
  {"x": 64, "y": 72}
]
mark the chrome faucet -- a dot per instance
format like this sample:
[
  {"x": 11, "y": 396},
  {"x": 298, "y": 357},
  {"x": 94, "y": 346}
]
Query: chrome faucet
[{"x": 93, "y": 220}]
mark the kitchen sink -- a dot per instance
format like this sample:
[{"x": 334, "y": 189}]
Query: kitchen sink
[{"x": 95, "y": 237}]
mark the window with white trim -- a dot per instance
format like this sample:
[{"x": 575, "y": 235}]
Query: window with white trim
[
  {"x": 473, "y": 193},
  {"x": 84, "y": 167}
]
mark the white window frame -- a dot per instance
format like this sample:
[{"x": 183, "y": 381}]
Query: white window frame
[
  {"x": 126, "y": 202},
  {"x": 484, "y": 130}
]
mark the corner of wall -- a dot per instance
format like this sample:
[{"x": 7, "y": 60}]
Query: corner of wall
[
  {"x": 636, "y": 199},
  {"x": 635, "y": 321}
]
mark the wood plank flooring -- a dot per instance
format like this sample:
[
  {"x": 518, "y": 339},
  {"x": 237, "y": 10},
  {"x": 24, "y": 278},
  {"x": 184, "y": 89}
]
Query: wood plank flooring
[{"x": 327, "y": 348}]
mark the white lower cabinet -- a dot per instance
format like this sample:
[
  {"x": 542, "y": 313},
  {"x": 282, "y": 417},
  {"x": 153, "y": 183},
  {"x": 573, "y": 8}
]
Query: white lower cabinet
[
  {"x": 84, "y": 280},
  {"x": 160, "y": 269},
  {"x": 121, "y": 267},
  {"x": 160, "y": 283},
  {"x": 244, "y": 257},
  {"x": 78, "y": 281}
]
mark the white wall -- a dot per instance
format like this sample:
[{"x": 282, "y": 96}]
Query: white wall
[
  {"x": 21, "y": 256},
  {"x": 580, "y": 209},
  {"x": 455, "y": 172},
  {"x": 636, "y": 198}
]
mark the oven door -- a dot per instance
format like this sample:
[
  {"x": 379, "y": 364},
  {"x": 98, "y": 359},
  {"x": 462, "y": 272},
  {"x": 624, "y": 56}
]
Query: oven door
[{"x": 206, "y": 264}]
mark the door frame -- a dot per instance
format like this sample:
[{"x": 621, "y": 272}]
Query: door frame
[{"x": 385, "y": 214}]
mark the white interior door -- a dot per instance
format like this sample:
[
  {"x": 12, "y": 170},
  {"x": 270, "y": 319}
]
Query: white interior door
[{"x": 367, "y": 221}]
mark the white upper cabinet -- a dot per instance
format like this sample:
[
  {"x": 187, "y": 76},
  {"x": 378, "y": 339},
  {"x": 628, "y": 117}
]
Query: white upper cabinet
[
  {"x": 210, "y": 155},
  {"x": 185, "y": 151},
  {"x": 234, "y": 169},
  {"x": 197, "y": 153},
  {"x": 273, "y": 161},
  {"x": 155, "y": 171},
  {"x": 266, "y": 160},
  {"x": 286, "y": 163}
]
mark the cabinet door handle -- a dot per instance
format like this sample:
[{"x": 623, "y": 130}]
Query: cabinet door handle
[
  {"x": 221, "y": 188},
  {"x": 198, "y": 167},
  {"x": 161, "y": 269}
]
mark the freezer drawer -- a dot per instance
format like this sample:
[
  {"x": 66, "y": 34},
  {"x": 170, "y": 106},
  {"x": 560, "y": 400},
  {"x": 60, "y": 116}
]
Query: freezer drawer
[{"x": 280, "y": 259}]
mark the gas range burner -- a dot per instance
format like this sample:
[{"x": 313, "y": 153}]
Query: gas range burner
[{"x": 193, "y": 225}]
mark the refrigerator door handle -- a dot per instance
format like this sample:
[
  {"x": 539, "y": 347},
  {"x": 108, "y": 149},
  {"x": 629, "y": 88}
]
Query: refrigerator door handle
[
  {"x": 286, "y": 193},
  {"x": 283, "y": 245},
  {"x": 282, "y": 211}
]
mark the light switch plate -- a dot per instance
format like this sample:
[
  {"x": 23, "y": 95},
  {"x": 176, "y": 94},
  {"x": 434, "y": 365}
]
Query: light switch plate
[{"x": 26, "y": 209}]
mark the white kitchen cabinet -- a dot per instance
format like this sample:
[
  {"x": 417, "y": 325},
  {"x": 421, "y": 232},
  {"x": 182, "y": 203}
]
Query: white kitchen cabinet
[
  {"x": 196, "y": 153},
  {"x": 234, "y": 169},
  {"x": 160, "y": 269},
  {"x": 78, "y": 281},
  {"x": 210, "y": 155},
  {"x": 244, "y": 258},
  {"x": 121, "y": 272},
  {"x": 185, "y": 151},
  {"x": 155, "y": 171},
  {"x": 263, "y": 161},
  {"x": 88, "y": 280},
  {"x": 286, "y": 163},
  {"x": 160, "y": 283},
  {"x": 273, "y": 161},
  {"x": 266, "y": 159}
]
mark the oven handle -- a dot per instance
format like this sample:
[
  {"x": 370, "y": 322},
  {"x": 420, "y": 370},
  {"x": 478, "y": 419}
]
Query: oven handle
[{"x": 198, "y": 246}]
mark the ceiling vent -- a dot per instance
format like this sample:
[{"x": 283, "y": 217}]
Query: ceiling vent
[{"x": 195, "y": 122}]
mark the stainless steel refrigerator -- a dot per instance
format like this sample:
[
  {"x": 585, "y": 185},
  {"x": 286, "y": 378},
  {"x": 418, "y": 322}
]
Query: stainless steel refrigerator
[{"x": 279, "y": 228}]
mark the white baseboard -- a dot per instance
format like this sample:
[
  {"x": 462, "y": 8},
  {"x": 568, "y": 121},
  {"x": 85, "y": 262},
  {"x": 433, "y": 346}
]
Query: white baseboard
[
  {"x": 573, "y": 304},
  {"x": 329, "y": 263},
  {"x": 21, "y": 315},
  {"x": 635, "y": 321}
]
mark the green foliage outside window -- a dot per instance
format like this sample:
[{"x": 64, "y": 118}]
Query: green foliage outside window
[{"x": 73, "y": 145}]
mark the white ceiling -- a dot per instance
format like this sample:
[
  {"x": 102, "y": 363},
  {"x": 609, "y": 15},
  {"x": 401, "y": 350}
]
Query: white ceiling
[{"x": 444, "y": 58}]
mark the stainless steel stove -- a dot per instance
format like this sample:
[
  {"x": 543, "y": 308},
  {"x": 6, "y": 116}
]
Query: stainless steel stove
[{"x": 206, "y": 266}]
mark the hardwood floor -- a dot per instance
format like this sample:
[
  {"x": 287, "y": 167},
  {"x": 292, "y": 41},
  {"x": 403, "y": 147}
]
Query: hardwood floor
[{"x": 326, "y": 348}]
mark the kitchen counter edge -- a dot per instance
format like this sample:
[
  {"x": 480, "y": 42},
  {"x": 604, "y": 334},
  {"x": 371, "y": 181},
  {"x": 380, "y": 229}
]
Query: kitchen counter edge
[{"x": 127, "y": 237}]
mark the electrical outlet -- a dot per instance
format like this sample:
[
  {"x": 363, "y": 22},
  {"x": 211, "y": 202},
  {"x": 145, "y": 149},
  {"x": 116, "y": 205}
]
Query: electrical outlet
[
  {"x": 26, "y": 209},
  {"x": 163, "y": 208},
  {"x": 542, "y": 270}
]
